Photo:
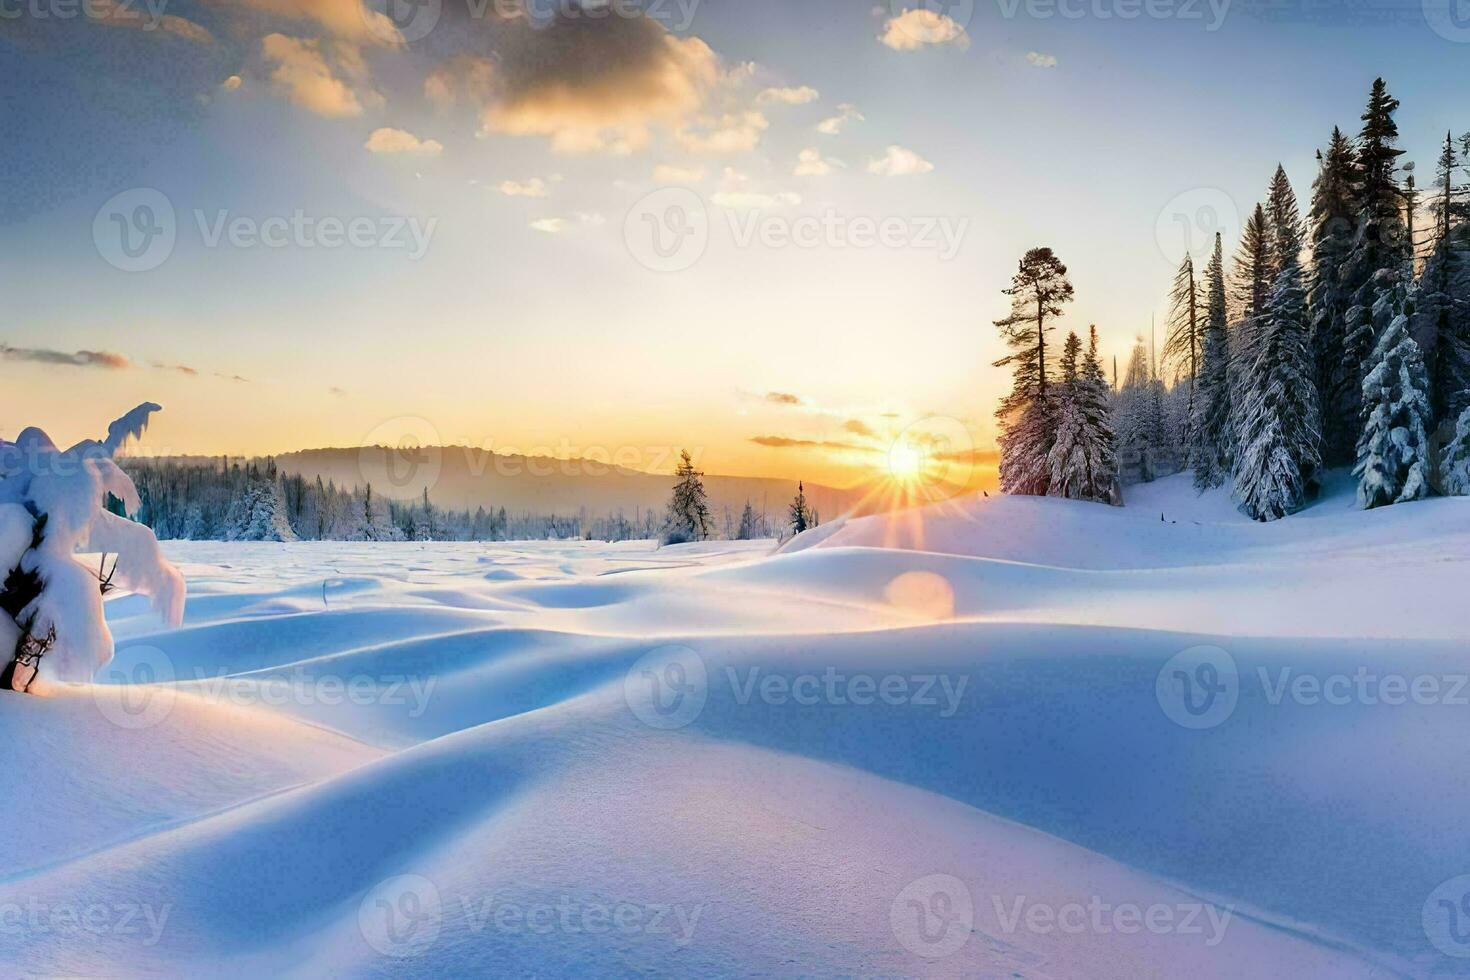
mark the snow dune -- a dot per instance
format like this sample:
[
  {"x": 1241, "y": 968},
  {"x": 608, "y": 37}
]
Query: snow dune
[{"x": 937, "y": 743}]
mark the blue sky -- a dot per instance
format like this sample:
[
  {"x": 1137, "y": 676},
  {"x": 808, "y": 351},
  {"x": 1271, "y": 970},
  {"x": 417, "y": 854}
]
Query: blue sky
[{"x": 529, "y": 320}]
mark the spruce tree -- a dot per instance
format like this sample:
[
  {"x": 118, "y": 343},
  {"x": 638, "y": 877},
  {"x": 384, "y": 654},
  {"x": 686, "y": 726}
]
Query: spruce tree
[
  {"x": 1028, "y": 427},
  {"x": 688, "y": 516},
  {"x": 1441, "y": 322},
  {"x": 1394, "y": 456},
  {"x": 747, "y": 529},
  {"x": 1380, "y": 243},
  {"x": 801, "y": 516},
  {"x": 1211, "y": 436},
  {"x": 1278, "y": 427},
  {"x": 1184, "y": 344},
  {"x": 1333, "y": 218},
  {"x": 1083, "y": 461},
  {"x": 1454, "y": 467}
]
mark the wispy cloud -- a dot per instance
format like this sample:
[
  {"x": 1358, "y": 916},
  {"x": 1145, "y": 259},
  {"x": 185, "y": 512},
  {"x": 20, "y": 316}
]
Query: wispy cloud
[
  {"x": 389, "y": 140},
  {"x": 784, "y": 442},
  {"x": 899, "y": 162},
  {"x": 800, "y": 95},
  {"x": 1040, "y": 60},
  {"x": 859, "y": 428},
  {"x": 83, "y": 358},
  {"x": 833, "y": 125},
  {"x": 534, "y": 187},
  {"x": 180, "y": 368},
  {"x": 783, "y": 398}
]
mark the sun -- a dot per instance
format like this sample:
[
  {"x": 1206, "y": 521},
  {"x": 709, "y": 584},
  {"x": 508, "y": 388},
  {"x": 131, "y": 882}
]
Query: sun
[{"x": 905, "y": 461}]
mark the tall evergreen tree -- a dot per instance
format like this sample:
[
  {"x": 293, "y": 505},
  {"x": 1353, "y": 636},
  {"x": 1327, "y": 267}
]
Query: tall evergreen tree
[
  {"x": 1441, "y": 321},
  {"x": 1394, "y": 456},
  {"x": 1278, "y": 427},
  {"x": 1184, "y": 343},
  {"x": 800, "y": 513},
  {"x": 1083, "y": 460},
  {"x": 1028, "y": 426},
  {"x": 1380, "y": 243},
  {"x": 1211, "y": 435},
  {"x": 688, "y": 517},
  {"x": 1333, "y": 218},
  {"x": 747, "y": 530}
]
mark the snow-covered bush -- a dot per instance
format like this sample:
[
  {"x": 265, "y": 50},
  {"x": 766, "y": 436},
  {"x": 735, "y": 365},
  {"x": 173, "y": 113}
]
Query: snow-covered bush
[
  {"x": 1455, "y": 463},
  {"x": 52, "y": 507}
]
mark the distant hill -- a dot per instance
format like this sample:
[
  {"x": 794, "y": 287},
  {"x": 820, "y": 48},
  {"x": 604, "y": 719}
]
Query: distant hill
[{"x": 460, "y": 477}]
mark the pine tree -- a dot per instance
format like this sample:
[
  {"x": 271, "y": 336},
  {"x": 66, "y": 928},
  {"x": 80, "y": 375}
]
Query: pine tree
[
  {"x": 688, "y": 516},
  {"x": 1278, "y": 427},
  {"x": 1037, "y": 291},
  {"x": 747, "y": 530},
  {"x": 1441, "y": 322},
  {"x": 1454, "y": 466},
  {"x": 1211, "y": 435},
  {"x": 1083, "y": 460},
  {"x": 800, "y": 515},
  {"x": 1394, "y": 456},
  {"x": 1380, "y": 243},
  {"x": 1333, "y": 217},
  {"x": 1184, "y": 344}
]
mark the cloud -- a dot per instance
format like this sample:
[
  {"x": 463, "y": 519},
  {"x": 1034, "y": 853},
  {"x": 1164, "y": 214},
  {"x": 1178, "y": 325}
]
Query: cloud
[
  {"x": 788, "y": 96},
  {"x": 82, "y": 358},
  {"x": 1040, "y": 60},
  {"x": 782, "y": 442},
  {"x": 535, "y": 187},
  {"x": 899, "y": 162},
  {"x": 303, "y": 75},
  {"x": 387, "y": 140},
  {"x": 337, "y": 392},
  {"x": 116, "y": 13},
  {"x": 915, "y": 29},
  {"x": 811, "y": 163},
  {"x": 233, "y": 377},
  {"x": 555, "y": 226},
  {"x": 734, "y": 132},
  {"x": 180, "y": 368},
  {"x": 859, "y": 428},
  {"x": 590, "y": 85},
  {"x": 351, "y": 20},
  {"x": 846, "y": 113},
  {"x": 666, "y": 173},
  {"x": 752, "y": 201},
  {"x": 232, "y": 83},
  {"x": 783, "y": 398}
]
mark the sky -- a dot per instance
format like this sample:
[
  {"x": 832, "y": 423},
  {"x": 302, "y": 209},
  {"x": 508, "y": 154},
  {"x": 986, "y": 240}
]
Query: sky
[{"x": 775, "y": 233}]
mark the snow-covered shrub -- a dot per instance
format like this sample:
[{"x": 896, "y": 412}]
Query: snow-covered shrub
[
  {"x": 1455, "y": 463},
  {"x": 52, "y": 507}
]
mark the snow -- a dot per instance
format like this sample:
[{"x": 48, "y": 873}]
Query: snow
[{"x": 569, "y": 758}]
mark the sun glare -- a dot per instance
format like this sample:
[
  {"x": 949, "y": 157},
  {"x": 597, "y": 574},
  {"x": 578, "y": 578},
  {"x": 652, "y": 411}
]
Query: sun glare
[{"x": 905, "y": 461}]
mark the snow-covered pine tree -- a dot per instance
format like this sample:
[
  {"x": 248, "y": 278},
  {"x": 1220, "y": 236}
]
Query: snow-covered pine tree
[
  {"x": 1211, "y": 435},
  {"x": 1395, "y": 461},
  {"x": 688, "y": 516},
  {"x": 1441, "y": 322},
  {"x": 1454, "y": 466},
  {"x": 799, "y": 515},
  {"x": 1038, "y": 290},
  {"x": 1146, "y": 448},
  {"x": 52, "y": 627},
  {"x": 1184, "y": 343},
  {"x": 1333, "y": 217},
  {"x": 261, "y": 513},
  {"x": 747, "y": 529},
  {"x": 1380, "y": 243},
  {"x": 1083, "y": 460},
  {"x": 1278, "y": 423}
]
